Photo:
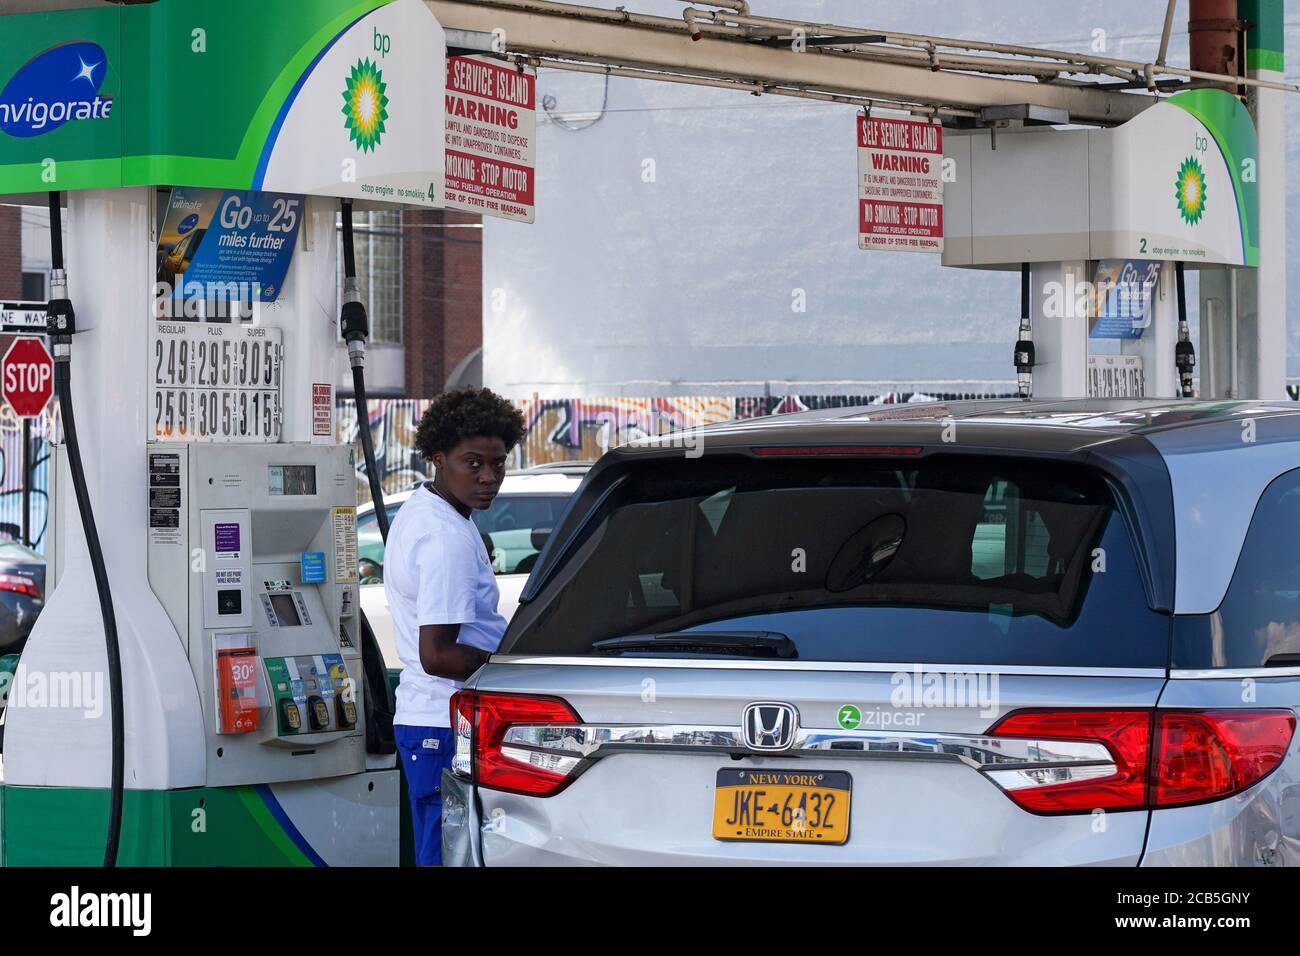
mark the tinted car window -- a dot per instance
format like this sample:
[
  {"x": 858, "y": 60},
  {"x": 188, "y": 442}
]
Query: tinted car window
[
  {"x": 509, "y": 526},
  {"x": 508, "y": 529},
  {"x": 940, "y": 561},
  {"x": 1258, "y": 622}
]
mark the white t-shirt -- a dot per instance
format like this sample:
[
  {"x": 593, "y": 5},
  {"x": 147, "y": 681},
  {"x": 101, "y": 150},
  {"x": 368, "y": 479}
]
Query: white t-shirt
[{"x": 436, "y": 571}]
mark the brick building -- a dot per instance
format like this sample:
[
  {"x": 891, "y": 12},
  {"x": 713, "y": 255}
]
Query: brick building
[
  {"x": 11, "y": 253},
  {"x": 442, "y": 300},
  {"x": 419, "y": 272}
]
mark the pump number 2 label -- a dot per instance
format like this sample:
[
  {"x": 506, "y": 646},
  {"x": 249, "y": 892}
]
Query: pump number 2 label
[{"x": 215, "y": 382}]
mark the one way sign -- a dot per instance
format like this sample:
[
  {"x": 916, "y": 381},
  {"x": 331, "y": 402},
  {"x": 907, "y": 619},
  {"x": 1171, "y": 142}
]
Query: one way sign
[{"x": 22, "y": 317}]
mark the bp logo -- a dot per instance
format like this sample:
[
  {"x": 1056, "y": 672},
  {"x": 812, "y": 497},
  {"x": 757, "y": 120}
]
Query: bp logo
[
  {"x": 365, "y": 105},
  {"x": 1190, "y": 189}
]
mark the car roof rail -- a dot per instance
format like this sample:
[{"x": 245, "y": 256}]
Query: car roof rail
[{"x": 576, "y": 467}]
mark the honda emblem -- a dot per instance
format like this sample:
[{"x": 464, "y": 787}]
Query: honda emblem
[{"x": 769, "y": 725}]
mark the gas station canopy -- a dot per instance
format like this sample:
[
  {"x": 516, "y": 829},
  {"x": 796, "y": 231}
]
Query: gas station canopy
[
  {"x": 173, "y": 94},
  {"x": 1179, "y": 181}
]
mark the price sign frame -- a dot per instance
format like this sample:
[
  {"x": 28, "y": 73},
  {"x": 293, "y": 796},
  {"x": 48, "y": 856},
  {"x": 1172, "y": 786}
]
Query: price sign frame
[
  {"x": 1116, "y": 376},
  {"x": 215, "y": 382}
]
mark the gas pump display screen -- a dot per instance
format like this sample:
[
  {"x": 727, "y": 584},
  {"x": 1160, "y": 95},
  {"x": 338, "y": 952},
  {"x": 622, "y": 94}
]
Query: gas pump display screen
[
  {"x": 291, "y": 479},
  {"x": 286, "y": 611}
]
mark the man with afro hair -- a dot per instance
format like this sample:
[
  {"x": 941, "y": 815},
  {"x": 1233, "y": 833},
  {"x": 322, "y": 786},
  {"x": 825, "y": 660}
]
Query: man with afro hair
[{"x": 441, "y": 590}]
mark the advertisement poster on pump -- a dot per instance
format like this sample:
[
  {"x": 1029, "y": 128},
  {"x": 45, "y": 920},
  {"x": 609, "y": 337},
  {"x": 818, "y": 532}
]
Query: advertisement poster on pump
[{"x": 226, "y": 245}]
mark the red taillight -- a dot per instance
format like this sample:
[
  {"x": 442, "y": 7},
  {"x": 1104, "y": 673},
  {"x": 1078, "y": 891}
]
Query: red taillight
[
  {"x": 1207, "y": 755},
  {"x": 1199, "y": 755},
  {"x": 486, "y": 717},
  {"x": 1125, "y": 733},
  {"x": 814, "y": 451},
  {"x": 19, "y": 584}
]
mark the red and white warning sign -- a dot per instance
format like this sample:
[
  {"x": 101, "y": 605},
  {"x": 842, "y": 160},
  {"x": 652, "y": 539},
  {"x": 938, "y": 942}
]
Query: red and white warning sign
[
  {"x": 900, "y": 185},
  {"x": 322, "y": 412},
  {"x": 491, "y": 134}
]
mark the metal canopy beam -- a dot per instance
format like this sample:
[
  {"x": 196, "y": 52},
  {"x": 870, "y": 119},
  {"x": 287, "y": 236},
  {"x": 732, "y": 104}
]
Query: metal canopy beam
[{"x": 540, "y": 28}]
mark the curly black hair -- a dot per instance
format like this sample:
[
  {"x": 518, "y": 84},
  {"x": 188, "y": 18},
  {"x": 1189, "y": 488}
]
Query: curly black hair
[{"x": 467, "y": 413}]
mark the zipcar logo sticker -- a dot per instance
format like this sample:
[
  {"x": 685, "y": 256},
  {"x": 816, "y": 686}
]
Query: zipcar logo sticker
[{"x": 54, "y": 87}]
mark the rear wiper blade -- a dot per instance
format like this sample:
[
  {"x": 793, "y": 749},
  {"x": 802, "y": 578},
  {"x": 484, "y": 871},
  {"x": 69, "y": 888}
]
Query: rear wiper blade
[{"x": 771, "y": 644}]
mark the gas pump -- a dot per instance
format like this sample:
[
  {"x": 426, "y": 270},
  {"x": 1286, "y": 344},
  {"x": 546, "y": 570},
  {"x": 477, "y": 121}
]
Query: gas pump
[
  {"x": 1102, "y": 224},
  {"x": 271, "y": 615},
  {"x": 215, "y": 511}
]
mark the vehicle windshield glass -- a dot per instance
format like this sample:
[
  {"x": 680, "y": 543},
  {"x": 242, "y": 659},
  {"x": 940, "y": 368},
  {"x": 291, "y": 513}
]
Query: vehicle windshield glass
[
  {"x": 370, "y": 545},
  {"x": 943, "y": 560},
  {"x": 516, "y": 526}
]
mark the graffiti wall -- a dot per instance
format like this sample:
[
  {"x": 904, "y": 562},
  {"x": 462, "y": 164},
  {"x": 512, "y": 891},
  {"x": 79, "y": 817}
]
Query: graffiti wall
[
  {"x": 43, "y": 430},
  {"x": 561, "y": 429}
]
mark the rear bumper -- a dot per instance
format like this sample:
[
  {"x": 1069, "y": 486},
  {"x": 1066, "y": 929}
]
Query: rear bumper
[
  {"x": 621, "y": 813},
  {"x": 461, "y": 844},
  {"x": 1259, "y": 827}
]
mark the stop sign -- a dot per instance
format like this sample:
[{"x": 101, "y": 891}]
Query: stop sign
[{"x": 27, "y": 377}]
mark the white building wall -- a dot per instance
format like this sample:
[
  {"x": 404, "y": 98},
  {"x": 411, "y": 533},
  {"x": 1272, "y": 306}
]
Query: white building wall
[{"x": 678, "y": 231}]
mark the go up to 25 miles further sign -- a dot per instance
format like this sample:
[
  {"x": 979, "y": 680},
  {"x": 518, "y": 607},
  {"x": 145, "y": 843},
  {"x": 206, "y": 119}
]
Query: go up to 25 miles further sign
[
  {"x": 900, "y": 185},
  {"x": 491, "y": 131}
]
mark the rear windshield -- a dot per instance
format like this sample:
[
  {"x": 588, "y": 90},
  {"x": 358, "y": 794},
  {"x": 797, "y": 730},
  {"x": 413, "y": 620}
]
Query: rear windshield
[{"x": 942, "y": 560}]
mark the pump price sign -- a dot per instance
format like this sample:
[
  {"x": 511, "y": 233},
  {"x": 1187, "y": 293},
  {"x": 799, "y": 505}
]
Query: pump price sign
[{"x": 215, "y": 382}]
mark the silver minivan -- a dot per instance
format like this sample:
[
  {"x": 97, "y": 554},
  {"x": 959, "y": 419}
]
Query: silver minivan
[{"x": 991, "y": 633}]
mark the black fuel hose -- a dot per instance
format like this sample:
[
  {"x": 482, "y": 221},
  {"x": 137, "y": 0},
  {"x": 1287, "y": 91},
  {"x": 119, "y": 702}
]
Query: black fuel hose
[
  {"x": 61, "y": 324},
  {"x": 368, "y": 449},
  {"x": 355, "y": 327}
]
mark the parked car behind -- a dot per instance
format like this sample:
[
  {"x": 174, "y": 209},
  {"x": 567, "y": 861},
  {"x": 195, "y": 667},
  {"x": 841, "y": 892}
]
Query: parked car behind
[
  {"x": 515, "y": 528},
  {"x": 22, "y": 593},
  {"x": 976, "y": 633}
]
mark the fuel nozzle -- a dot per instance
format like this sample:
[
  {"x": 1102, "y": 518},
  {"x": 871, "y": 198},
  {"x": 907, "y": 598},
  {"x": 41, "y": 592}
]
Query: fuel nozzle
[
  {"x": 1185, "y": 359},
  {"x": 60, "y": 317},
  {"x": 353, "y": 321},
  {"x": 1023, "y": 354},
  {"x": 1184, "y": 354},
  {"x": 1024, "y": 359}
]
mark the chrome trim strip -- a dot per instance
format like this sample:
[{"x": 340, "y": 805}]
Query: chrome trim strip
[
  {"x": 562, "y": 747},
  {"x": 841, "y": 666},
  {"x": 1025, "y": 777},
  {"x": 1233, "y": 673}
]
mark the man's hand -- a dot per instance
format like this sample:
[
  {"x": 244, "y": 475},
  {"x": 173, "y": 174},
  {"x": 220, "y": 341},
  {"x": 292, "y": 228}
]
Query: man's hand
[{"x": 441, "y": 656}]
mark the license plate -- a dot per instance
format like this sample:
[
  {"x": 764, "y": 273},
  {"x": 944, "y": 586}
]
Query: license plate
[{"x": 782, "y": 806}]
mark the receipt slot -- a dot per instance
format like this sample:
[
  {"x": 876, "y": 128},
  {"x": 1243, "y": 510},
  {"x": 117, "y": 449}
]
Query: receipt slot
[{"x": 252, "y": 551}]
